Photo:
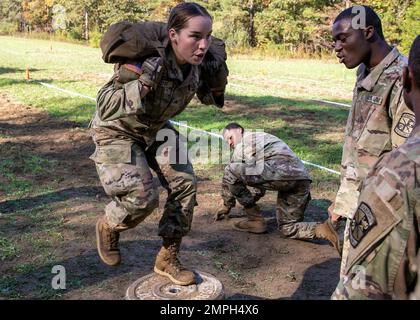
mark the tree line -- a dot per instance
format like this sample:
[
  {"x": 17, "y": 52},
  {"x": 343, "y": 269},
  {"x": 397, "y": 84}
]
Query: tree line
[{"x": 288, "y": 25}]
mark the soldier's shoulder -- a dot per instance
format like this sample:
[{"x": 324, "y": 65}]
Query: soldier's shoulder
[
  {"x": 411, "y": 149},
  {"x": 400, "y": 163},
  {"x": 395, "y": 69}
]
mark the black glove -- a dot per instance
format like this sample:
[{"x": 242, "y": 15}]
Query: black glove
[
  {"x": 213, "y": 81},
  {"x": 147, "y": 72},
  {"x": 150, "y": 72}
]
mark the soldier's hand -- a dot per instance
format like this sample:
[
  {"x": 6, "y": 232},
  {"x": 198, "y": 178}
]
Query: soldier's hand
[
  {"x": 149, "y": 71},
  {"x": 144, "y": 91},
  {"x": 334, "y": 218},
  {"x": 146, "y": 72},
  {"x": 222, "y": 213},
  {"x": 213, "y": 82}
]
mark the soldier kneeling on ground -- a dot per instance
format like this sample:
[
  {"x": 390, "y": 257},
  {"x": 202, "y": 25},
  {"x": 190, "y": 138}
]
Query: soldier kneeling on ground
[{"x": 264, "y": 162}]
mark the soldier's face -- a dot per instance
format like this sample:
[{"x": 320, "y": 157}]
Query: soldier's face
[
  {"x": 350, "y": 45},
  {"x": 191, "y": 43},
  {"x": 233, "y": 137}
]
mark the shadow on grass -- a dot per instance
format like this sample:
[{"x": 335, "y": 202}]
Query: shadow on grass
[
  {"x": 58, "y": 108},
  {"x": 11, "y": 206},
  {"x": 85, "y": 270},
  {"x": 269, "y": 108},
  {"x": 319, "y": 281},
  {"x": 12, "y": 82},
  {"x": 5, "y": 70}
]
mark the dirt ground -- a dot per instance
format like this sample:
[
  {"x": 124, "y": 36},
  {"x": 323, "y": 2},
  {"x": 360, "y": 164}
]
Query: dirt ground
[{"x": 249, "y": 266}]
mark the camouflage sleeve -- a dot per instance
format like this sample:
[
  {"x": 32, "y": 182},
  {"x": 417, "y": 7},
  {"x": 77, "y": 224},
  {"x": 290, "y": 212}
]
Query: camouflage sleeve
[
  {"x": 345, "y": 202},
  {"x": 415, "y": 295},
  {"x": 242, "y": 158},
  {"x": 116, "y": 101},
  {"x": 358, "y": 286},
  {"x": 229, "y": 178},
  {"x": 238, "y": 154},
  {"x": 403, "y": 118}
]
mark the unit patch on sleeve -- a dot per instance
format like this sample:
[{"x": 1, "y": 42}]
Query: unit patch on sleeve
[
  {"x": 361, "y": 224},
  {"x": 405, "y": 125}
]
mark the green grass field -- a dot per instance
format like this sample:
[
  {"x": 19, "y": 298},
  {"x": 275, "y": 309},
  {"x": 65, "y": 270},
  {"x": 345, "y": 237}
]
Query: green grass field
[
  {"x": 275, "y": 96},
  {"x": 277, "y": 92},
  {"x": 262, "y": 94},
  {"x": 271, "y": 95}
]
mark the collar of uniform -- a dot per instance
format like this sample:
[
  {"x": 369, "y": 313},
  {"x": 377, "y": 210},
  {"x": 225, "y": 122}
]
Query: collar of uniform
[
  {"x": 174, "y": 71},
  {"x": 162, "y": 46},
  {"x": 369, "y": 81}
]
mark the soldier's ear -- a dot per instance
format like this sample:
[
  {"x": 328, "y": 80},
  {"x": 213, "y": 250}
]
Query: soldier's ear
[
  {"x": 406, "y": 79},
  {"x": 369, "y": 33},
  {"x": 173, "y": 36}
]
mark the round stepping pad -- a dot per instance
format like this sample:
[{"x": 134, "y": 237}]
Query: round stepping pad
[{"x": 156, "y": 287}]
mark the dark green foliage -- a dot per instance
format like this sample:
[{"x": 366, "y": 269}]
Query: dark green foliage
[{"x": 290, "y": 26}]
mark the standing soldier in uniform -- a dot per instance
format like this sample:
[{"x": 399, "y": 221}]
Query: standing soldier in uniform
[
  {"x": 384, "y": 234},
  {"x": 128, "y": 117},
  {"x": 265, "y": 162},
  {"x": 378, "y": 120}
]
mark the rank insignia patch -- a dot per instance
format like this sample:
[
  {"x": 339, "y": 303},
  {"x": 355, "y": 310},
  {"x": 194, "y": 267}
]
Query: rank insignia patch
[
  {"x": 361, "y": 224},
  {"x": 405, "y": 125},
  {"x": 374, "y": 99}
]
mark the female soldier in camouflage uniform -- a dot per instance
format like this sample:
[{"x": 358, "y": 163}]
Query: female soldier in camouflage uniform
[{"x": 128, "y": 117}]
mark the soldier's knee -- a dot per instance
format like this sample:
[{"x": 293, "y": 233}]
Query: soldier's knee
[
  {"x": 151, "y": 202},
  {"x": 141, "y": 202}
]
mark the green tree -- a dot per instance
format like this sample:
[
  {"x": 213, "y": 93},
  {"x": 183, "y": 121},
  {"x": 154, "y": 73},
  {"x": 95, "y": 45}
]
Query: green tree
[
  {"x": 410, "y": 26},
  {"x": 11, "y": 19}
]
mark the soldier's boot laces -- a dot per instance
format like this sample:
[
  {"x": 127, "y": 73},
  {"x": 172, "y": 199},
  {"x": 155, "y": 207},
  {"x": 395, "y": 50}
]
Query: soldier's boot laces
[
  {"x": 326, "y": 231},
  {"x": 254, "y": 223},
  {"x": 167, "y": 263},
  {"x": 107, "y": 242}
]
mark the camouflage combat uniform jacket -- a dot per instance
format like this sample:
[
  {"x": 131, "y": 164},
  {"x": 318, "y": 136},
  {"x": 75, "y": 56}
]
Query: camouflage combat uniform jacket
[
  {"x": 261, "y": 157},
  {"x": 264, "y": 162},
  {"x": 124, "y": 116},
  {"x": 378, "y": 121},
  {"x": 125, "y": 129},
  {"x": 384, "y": 234}
]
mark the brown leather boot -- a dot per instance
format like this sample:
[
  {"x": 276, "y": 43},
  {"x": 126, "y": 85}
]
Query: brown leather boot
[
  {"x": 254, "y": 222},
  {"x": 168, "y": 265},
  {"x": 107, "y": 243},
  {"x": 222, "y": 213},
  {"x": 326, "y": 231}
]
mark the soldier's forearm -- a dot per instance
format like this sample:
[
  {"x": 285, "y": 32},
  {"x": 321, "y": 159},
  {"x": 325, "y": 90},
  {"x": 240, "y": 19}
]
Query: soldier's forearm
[{"x": 346, "y": 200}]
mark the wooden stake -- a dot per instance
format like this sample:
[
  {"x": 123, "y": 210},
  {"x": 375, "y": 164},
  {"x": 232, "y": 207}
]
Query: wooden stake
[{"x": 27, "y": 75}]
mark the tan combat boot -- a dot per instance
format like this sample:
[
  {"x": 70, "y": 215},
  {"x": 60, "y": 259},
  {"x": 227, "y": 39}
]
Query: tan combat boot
[
  {"x": 168, "y": 265},
  {"x": 222, "y": 213},
  {"x": 107, "y": 243},
  {"x": 326, "y": 231},
  {"x": 254, "y": 222}
]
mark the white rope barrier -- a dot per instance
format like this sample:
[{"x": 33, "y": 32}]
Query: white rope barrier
[{"x": 76, "y": 94}]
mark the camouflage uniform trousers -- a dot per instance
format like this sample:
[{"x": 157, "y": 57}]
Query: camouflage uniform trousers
[
  {"x": 135, "y": 196},
  {"x": 292, "y": 199}
]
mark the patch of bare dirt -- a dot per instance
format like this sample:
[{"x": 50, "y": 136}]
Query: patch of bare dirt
[{"x": 249, "y": 266}]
